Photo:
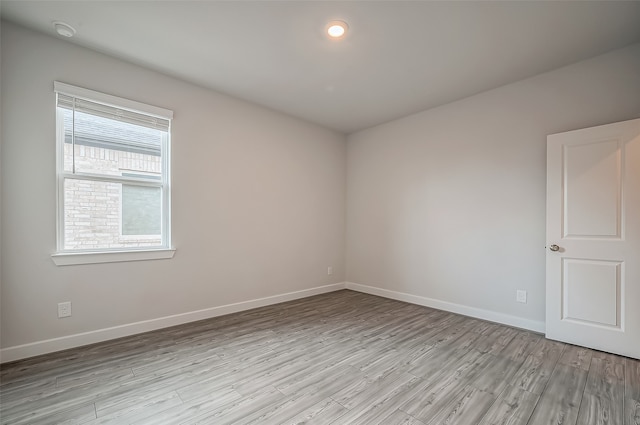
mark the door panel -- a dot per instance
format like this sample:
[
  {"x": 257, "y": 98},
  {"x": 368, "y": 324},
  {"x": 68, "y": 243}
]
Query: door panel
[
  {"x": 593, "y": 216},
  {"x": 591, "y": 292},
  {"x": 592, "y": 189}
]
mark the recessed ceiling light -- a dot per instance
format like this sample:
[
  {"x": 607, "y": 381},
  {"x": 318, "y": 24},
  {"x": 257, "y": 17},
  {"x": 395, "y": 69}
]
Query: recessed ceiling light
[
  {"x": 337, "y": 29},
  {"x": 64, "y": 29}
]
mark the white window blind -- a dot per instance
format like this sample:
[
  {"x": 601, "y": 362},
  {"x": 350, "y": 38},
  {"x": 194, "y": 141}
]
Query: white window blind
[{"x": 111, "y": 112}]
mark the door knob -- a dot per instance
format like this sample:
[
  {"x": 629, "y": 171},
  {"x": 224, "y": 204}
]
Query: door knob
[{"x": 554, "y": 248}]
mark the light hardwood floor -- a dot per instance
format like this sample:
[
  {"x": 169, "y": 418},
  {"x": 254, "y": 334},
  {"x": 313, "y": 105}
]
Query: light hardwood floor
[{"x": 338, "y": 358}]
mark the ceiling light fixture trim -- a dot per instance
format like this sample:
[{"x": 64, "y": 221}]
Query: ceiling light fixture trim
[{"x": 64, "y": 29}]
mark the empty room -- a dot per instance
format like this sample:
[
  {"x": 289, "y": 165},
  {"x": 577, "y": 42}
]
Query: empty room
[{"x": 320, "y": 212}]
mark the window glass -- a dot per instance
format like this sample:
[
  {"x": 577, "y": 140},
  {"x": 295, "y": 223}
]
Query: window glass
[{"x": 141, "y": 212}]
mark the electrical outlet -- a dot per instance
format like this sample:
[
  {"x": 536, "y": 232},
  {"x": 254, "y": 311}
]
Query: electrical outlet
[
  {"x": 521, "y": 296},
  {"x": 64, "y": 309},
  {"x": 329, "y": 270}
]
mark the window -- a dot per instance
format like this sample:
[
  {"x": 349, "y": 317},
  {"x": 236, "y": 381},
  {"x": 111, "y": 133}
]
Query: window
[{"x": 113, "y": 174}]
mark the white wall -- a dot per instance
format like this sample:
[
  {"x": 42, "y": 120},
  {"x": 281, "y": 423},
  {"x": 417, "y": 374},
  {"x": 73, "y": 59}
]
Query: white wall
[
  {"x": 258, "y": 200},
  {"x": 449, "y": 204}
]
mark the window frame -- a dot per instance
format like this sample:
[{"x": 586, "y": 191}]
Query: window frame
[{"x": 64, "y": 256}]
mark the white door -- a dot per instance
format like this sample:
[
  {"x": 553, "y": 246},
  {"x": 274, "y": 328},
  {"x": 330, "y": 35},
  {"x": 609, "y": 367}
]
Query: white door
[{"x": 593, "y": 238}]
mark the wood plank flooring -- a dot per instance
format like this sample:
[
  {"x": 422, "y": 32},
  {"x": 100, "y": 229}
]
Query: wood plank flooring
[{"x": 337, "y": 358}]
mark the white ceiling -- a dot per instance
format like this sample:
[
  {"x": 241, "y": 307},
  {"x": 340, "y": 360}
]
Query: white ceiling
[{"x": 398, "y": 57}]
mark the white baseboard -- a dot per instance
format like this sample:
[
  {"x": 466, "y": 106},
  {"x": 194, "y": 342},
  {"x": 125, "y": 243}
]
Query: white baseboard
[
  {"x": 478, "y": 313},
  {"x": 77, "y": 340}
]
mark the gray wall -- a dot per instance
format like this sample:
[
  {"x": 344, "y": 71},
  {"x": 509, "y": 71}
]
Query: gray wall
[
  {"x": 449, "y": 204},
  {"x": 258, "y": 199}
]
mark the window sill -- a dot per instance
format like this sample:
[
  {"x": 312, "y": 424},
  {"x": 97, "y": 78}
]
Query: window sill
[{"x": 73, "y": 258}]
